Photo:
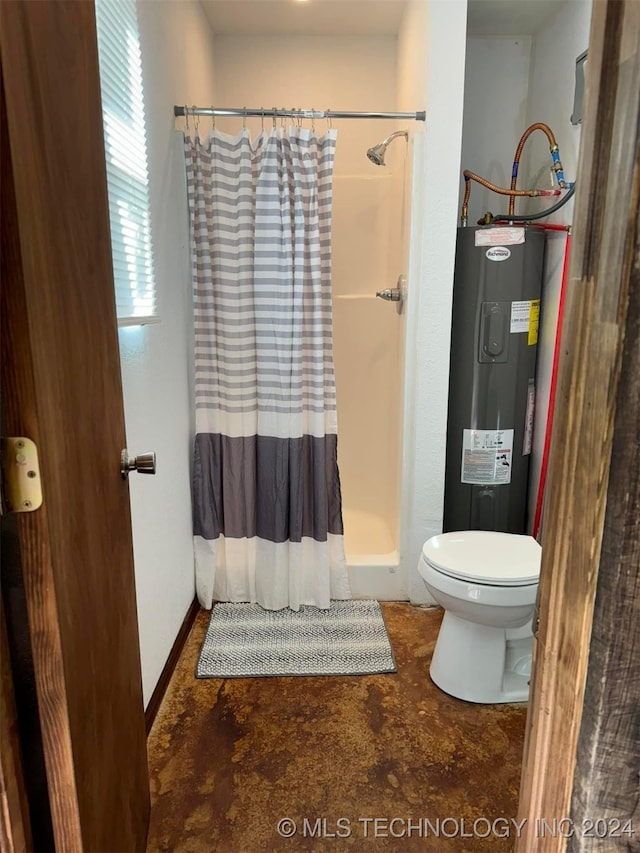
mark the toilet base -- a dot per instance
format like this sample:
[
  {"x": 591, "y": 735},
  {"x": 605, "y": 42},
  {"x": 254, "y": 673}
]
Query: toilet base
[{"x": 478, "y": 663}]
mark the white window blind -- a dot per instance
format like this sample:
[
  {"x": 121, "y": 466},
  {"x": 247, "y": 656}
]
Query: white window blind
[{"x": 126, "y": 154}]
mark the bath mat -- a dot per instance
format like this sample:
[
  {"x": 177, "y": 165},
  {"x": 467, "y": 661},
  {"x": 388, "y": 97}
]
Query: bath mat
[{"x": 243, "y": 640}]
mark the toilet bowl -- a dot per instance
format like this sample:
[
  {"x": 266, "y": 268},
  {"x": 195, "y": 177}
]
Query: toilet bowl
[{"x": 487, "y": 584}]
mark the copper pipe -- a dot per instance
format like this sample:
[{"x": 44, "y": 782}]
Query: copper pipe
[
  {"x": 464, "y": 213},
  {"x": 516, "y": 160},
  {"x": 471, "y": 176}
]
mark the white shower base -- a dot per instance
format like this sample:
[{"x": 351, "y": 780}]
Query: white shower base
[{"x": 372, "y": 557}]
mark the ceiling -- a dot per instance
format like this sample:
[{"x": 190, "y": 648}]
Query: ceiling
[{"x": 367, "y": 17}]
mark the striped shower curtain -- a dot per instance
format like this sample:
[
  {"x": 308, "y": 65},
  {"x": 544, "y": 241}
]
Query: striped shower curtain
[{"x": 266, "y": 490}]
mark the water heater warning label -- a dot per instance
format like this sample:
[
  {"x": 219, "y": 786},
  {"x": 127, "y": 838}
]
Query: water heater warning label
[
  {"x": 520, "y": 315},
  {"x": 525, "y": 317},
  {"x": 486, "y": 456},
  {"x": 534, "y": 323},
  {"x": 508, "y": 236}
]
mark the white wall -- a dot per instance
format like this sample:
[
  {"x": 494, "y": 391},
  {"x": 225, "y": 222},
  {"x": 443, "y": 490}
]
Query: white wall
[
  {"x": 551, "y": 88},
  {"x": 323, "y": 72},
  {"x": 496, "y": 87},
  {"x": 431, "y": 49},
  {"x": 177, "y": 62}
]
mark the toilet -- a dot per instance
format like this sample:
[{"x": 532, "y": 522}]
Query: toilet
[{"x": 487, "y": 584}]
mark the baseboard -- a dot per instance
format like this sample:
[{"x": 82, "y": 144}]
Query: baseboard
[{"x": 169, "y": 667}]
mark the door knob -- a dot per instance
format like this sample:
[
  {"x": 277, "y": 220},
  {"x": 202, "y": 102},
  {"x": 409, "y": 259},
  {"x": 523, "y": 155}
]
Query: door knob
[{"x": 145, "y": 463}]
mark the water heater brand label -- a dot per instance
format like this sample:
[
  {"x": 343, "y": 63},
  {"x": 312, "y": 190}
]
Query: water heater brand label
[
  {"x": 498, "y": 253},
  {"x": 486, "y": 456}
]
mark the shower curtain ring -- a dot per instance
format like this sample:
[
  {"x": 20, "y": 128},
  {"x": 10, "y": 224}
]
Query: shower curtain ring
[
  {"x": 213, "y": 118},
  {"x": 244, "y": 118},
  {"x": 328, "y": 117},
  {"x": 313, "y": 120},
  {"x": 275, "y": 115},
  {"x": 186, "y": 116},
  {"x": 196, "y": 119},
  {"x": 262, "y": 117}
]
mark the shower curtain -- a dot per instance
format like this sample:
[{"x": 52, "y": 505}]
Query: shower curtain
[{"x": 266, "y": 489}]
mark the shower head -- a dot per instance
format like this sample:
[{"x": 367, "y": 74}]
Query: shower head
[{"x": 376, "y": 154}]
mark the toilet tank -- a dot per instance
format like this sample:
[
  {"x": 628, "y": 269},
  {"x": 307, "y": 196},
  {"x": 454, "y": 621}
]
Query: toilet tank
[{"x": 494, "y": 336}]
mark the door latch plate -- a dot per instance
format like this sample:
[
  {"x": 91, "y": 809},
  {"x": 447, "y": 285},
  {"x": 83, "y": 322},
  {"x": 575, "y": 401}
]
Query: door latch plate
[{"x": 21, "y": 484}]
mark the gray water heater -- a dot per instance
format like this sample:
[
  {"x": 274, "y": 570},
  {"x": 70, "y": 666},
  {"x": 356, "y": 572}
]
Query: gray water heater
[{"x": 494, "y": 336}]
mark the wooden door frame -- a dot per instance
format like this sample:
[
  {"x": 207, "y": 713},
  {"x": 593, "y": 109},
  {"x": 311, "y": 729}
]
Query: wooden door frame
[{"x": 589, "y": 395}]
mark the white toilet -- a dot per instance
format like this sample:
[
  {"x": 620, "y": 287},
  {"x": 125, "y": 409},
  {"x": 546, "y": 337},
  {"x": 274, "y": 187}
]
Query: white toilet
[{"x": 487, "y": 584}]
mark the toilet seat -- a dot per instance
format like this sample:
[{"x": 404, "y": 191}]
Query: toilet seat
[{"x": 485, "y": 557}]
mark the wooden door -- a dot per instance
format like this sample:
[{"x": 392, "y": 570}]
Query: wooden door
[
  {"x": 61, "y": 387},
  {"x": 591, "y": 535}
]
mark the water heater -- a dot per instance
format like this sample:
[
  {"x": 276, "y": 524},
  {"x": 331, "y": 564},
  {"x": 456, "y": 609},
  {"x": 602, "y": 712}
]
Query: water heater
[{"x": 496, "y": 310}]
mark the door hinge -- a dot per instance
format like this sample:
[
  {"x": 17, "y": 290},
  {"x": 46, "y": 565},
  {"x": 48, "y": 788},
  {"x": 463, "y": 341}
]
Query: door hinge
[{"x": 21, "y": 488}]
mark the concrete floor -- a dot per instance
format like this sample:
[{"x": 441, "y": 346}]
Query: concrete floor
[{"x": 229, "y": 759}]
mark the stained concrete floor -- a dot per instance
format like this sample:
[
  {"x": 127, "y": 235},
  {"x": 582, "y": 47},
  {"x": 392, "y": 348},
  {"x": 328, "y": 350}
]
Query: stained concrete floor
[{"x": 231, "y": 758}]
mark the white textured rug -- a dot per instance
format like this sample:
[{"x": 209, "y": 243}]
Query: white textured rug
[{"x": 243, "y": 640}]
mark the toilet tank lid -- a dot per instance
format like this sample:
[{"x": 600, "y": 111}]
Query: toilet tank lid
[{"x": 485, "y": 556}]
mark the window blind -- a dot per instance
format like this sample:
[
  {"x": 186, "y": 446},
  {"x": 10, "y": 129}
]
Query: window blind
[{"x": 126, "y": 155}]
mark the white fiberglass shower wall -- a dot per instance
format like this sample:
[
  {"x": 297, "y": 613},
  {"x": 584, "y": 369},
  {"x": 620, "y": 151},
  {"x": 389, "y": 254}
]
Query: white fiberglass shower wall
[
  {"x": 368, "y": 342},
  {"x": 348, "y": 73}
]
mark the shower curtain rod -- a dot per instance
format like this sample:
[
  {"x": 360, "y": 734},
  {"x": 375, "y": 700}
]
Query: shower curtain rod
[{"x": 274, "y": 112}]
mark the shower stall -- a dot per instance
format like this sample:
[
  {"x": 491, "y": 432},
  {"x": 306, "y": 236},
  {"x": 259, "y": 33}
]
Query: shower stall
[{"x": 369, "y": 254}]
